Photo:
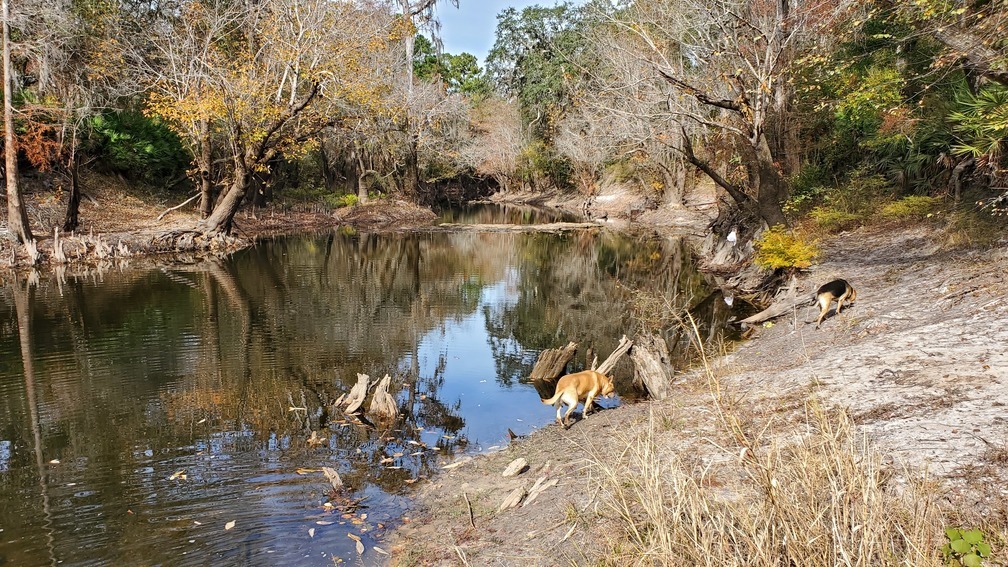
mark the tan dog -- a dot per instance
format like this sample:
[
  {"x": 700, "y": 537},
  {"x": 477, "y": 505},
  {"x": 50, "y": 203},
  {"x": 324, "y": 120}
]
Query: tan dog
[
  {"x": 837, "y": 289},
  {"x": 572, "y": 388}
]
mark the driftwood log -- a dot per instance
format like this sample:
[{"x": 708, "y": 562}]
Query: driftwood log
[
  {"x": 610, "y": 362},
  {"x": 383, "y": 404},
  {"x": 652, "y": 365},
  {"x": 785, "y": 302}
]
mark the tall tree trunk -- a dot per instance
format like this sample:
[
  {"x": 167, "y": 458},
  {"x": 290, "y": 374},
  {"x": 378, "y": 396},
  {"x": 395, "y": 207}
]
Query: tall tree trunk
[
  {"x": 203, "y": 163},
  {"x": 71, "y": 220},
  {"x": 773, "y": 188},
  {"x": 17, "y": 216},
  {"x": 220, "y": 220},
  {"x": 411, "y": 180}
]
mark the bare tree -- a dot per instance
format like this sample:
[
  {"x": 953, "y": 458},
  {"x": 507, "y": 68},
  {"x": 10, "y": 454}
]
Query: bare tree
[
  {"x": 17, "y": 216},
  {"x": 498, "y": 139},
  {"x": 729, "y": 64}
]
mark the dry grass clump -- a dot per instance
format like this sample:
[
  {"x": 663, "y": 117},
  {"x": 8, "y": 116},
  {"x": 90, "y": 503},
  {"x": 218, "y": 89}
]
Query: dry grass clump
[{"x": 818, "y": 496}]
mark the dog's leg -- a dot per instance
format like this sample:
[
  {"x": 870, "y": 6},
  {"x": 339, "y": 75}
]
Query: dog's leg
[
  {"x": 559, "y": 406},
  {"x": 572, "y": 406},
  {"x": 824, "y": 303},
  {"x": 589, "y": 401},
  {"x": 839, "y": 303}
]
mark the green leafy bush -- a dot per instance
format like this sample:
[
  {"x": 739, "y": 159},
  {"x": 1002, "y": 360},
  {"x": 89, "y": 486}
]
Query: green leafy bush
[
  {"x": 862, "y": 193},
  {"x": 341, "y": 201},
  {"x": 965, "y": 548},
  {"x": 779, "y": 247},
  {"x": 808, "y": 187},
  {"x": 832, "y": 220},
  {"x": 914, "y": 207},
  {"x": 539, "y": 161},
  {"x": 138, "y": 147}
]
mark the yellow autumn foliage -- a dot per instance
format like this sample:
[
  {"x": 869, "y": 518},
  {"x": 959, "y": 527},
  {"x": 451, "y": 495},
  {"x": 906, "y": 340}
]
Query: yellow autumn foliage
[{"x": 780, "y": 247}]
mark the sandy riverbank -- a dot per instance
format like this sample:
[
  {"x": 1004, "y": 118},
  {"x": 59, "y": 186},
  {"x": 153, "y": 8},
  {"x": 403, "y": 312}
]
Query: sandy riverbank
[{"x": 919, "y": 363}]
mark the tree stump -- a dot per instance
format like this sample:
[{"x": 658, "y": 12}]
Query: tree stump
[
  {"x": 383, "y": 404},
  {"x": 551, "y": 365},
  {"x": 652, "y": 366},
  {"x": 357, "y": 394}
]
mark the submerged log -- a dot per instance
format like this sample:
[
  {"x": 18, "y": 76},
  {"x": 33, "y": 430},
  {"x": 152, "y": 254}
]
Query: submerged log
[
  {"x": 553, "y": 227},
  {"x": 383, "y": 403},
  {"x": 355, "y": 399},
  {"x": 652, "y": 365}
]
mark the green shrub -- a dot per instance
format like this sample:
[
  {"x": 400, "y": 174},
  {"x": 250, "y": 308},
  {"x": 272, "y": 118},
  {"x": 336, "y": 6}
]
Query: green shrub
[
  {"x": 914, "y": 207},
  {"x": 965, "y": 548},
  {"x": 539, "y": 161},
  {"x": 340, "y": 201},
  {"x": 138, "y": 147},
  {"x": 832, "y": 220},
  {"x": 862, "y": 193},
  {"x": 779, "y": 247},
  {"x": 807, "y": 188}
]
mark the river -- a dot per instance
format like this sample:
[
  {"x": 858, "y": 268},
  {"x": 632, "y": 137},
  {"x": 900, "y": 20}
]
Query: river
[{"x": 181, "y": 414}]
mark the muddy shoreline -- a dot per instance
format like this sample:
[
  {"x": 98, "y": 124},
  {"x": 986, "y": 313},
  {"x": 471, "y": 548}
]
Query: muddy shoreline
[{"x": 918, "y": 362}]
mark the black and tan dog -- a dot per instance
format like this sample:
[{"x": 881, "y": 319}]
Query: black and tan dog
[
  {"x": 573, "y": 388},
  {"x": 837, "y": 289}
]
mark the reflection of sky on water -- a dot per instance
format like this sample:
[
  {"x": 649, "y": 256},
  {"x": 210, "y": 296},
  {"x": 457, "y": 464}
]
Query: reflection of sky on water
[{"x": 488, "y": 407}]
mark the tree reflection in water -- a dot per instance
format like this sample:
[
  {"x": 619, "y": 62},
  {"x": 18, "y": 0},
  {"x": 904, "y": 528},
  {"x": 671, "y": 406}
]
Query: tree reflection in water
[{"x": 118, "y": 383}]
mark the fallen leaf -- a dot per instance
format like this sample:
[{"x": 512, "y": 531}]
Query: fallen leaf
[
  {"x": 311, "y": 532},
  {"x": 229, "y": 525},
  {"x": 380, "y": 550},
  {"x": 397, "y": 455},
  {"x": 177, "y": 475},
  {"x": 54, "y": 462},
  {"x": 303, "y": 470},
  {"x": 360, "y": 548},
  {"x": 324, "y": 523}
]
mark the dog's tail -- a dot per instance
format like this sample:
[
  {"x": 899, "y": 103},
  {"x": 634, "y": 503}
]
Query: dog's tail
[{"x": 553, "y": 400}]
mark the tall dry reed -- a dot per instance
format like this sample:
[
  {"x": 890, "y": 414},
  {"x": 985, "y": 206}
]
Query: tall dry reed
[{"x": 811, "y": 493}]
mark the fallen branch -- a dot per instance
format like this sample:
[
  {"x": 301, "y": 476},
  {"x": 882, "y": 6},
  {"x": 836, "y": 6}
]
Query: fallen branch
[
  {"x": 472, "y": 519},
  {"x": 786, "y": 302},
  {"x": 610, "y": 363},
  {"x": 176, "y": 207}
]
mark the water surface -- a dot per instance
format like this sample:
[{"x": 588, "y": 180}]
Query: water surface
[{"x": 144, "y": 410}]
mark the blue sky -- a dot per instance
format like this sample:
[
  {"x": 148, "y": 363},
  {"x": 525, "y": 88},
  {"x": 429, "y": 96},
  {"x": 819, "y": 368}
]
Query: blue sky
[{"x": 471, "y": 27}]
